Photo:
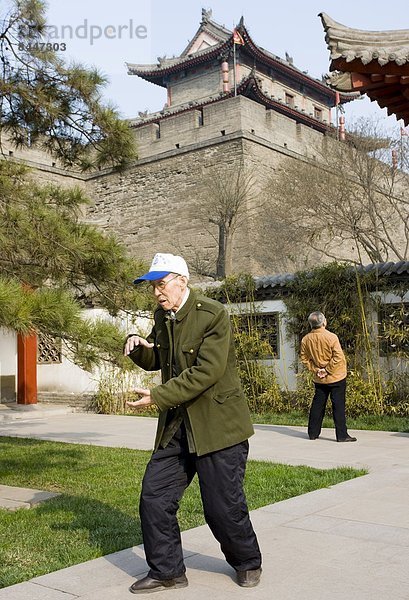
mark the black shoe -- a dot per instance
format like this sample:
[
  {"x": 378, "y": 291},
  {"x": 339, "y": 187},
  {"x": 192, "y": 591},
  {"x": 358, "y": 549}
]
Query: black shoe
[
  {"x": 348, "y": 438},
  {"x": 249, "y": 578},
  {"x": 148, "y": 585},
  {"x": 314, "y": 437}
]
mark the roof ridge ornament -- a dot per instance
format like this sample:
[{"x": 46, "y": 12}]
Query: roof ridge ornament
[{"x": 206, "y": 15}]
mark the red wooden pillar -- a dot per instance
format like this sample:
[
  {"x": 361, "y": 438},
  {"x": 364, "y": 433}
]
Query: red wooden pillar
[{"x": 26, "y": 369}]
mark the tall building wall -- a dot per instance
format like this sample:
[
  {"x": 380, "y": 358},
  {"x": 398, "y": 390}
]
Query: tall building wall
[
  {"x": 219, "y": 119},
  {"x": 161, "y": 203}
]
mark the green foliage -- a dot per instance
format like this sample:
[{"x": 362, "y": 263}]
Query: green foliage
[
  {"x": 52, "y": 265},
  {"x": 394, "y": 332},
  {"x": 43, "y": 240},
  {"x": 343, "y": 294},
  {"x": 115, "y": 388},
  {"x": 333, "y": 290},
  {"x": 258, "y": 380},
  {"x": 113, "y": 392},
  {"x": 50, "y": 104},
  {"x": 234, "y": 289},
  {"x": 364, "y": 396}
]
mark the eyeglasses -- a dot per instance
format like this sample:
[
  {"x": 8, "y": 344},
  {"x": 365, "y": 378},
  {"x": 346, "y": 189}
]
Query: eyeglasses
[{"x": 160, "y": 285}]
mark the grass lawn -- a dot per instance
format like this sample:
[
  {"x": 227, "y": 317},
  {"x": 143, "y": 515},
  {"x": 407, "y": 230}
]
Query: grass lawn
[
  {"x": 97, "y": 512},
  {"x": 373, "y": 422}
]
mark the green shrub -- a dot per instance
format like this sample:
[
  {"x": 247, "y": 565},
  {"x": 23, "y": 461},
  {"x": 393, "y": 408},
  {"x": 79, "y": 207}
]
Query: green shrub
[{"x": 115, "y": 388}]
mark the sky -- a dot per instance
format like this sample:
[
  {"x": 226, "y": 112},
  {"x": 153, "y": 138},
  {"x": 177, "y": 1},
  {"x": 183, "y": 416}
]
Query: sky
[{"x": 106, "y": 35}]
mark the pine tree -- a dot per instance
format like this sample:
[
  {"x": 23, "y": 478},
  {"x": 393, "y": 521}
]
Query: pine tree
[
  {"x": 52, "y": 265},
  {"x": 50, "y": 104}
]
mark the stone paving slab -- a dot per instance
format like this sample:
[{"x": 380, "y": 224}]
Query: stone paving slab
[
  {"x": 23, "y": 412},
  {"x": 350, "y": 540},
  {"x": 84, "y": 428},
  {"x": 12, "y": 498},
  {"x": 31, "y": 591}
]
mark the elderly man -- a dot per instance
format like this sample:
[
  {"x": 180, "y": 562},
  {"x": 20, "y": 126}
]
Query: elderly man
[
  {"x": 322, "y": 354},
  {"x": 203, "y": 427}
]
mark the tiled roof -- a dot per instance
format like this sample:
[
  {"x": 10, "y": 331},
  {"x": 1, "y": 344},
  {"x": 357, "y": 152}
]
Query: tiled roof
[
  {"x": 386, "y": 269},
  {"x": 168, "y": 65},
  {"x": 277, "y": 286},
  {"x": 380, "y": 46},
  {"x": 375, "y": 63},
  {"x": 165, "y": 66}
]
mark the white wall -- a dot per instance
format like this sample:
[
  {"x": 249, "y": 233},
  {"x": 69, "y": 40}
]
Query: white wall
[
  {"x": 8, "y": 352},
  {"x": 66, "y": 377},
  {"x": 284, "y": 365}
]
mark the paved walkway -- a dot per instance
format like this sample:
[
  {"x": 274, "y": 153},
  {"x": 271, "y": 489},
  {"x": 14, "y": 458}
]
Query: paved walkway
[{"x": 348, "y": 541}]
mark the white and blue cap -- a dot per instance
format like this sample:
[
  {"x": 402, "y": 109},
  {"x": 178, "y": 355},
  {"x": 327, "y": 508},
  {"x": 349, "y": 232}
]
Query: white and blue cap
[{"x": 162, "y": 265}]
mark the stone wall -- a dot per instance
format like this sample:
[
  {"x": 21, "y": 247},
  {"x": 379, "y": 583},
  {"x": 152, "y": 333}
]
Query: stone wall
[
  {"x": 220, "y": 119},
  {"x": 160, "y": 205},
  {"x": 162, "y": 202},
  {"x": 200, "y": 83}
]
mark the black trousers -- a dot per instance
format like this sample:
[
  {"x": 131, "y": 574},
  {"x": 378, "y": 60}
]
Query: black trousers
[
  {"x": 220, "y": 475},
  {"x": 322, "y": 391}
]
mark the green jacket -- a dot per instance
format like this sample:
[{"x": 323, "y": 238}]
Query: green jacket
[{"x": 207, "y": 382}]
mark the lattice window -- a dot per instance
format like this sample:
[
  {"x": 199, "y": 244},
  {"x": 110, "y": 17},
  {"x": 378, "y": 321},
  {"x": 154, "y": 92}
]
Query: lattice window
[
  {"x": 393, "y": 320},
  {"x": 265, "y": 326},
  {"x": 48, "y": 350}
]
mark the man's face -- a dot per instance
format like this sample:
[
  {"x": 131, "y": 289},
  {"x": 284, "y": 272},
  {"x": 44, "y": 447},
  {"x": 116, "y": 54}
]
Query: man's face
[{"x": 169, "y": 291}]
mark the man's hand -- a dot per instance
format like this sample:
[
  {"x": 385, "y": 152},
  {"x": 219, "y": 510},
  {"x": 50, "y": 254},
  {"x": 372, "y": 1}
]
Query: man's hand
[
  {"x": 321, "y": 373},
  {"x": 146, "y": 399},
  {"x": 133, "y": 341}
]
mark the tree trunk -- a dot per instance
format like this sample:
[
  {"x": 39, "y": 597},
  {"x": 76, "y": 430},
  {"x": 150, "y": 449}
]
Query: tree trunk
[{"x": 221, "y": 255}]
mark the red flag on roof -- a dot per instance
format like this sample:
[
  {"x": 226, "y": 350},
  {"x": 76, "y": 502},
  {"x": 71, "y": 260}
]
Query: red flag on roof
[{"x": 237, "y": 38}]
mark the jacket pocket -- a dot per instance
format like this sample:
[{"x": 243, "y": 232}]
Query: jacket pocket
[
  {"x": 228, "y": 395},
  {"x": 190, "y": 350}
]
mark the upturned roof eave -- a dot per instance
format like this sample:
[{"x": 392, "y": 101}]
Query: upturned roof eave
[
  {"x": 156, "y": 74},
  {"x": 285, "y": 68},
  {"x": 349, "y": 44},
  {"x": 215, "y": 30}
]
